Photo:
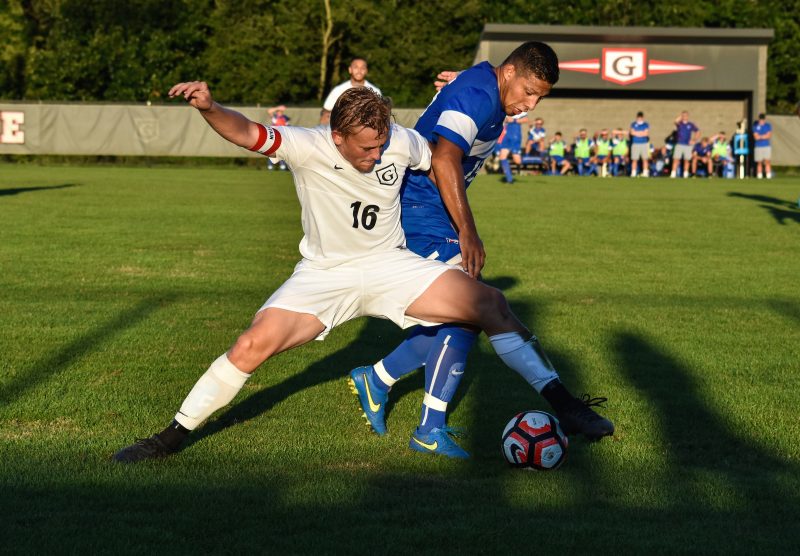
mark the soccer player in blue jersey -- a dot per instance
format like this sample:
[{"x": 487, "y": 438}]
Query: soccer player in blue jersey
[
  {"x": 702, "y": 153},
  {"x": 686, "y": 135},
  {"x": 762, "y": 133},
  {"x": 463, "y": 123},
  {"x": 640, "y": 145},
  {"x": 512, "y": 145}
]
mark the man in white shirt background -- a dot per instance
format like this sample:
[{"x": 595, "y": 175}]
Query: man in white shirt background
[{"x": 358, "y": 70}]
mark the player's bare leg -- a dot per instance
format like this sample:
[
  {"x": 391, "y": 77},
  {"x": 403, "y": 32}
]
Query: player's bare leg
[
  {"x": 271, "y": 332},
  {"x": 455, "y": 297}
]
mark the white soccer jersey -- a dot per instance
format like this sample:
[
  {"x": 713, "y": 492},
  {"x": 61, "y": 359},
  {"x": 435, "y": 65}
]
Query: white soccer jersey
[
  {"x": 345, "y": 213},
  {"x": 337, "y": 91}
]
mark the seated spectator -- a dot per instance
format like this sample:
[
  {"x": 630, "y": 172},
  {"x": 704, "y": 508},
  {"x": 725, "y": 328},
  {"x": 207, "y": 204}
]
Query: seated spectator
[
  {"x": 582, "y": 151},
  {"x": 701, "y": 152},
  {"x": 721, "y": 155},
  {"x": 619, "y": 151},
  {"x": 602, "y": 153},
  {"x": 536, "y": 138},
  {"x": 558, "y": 155}
]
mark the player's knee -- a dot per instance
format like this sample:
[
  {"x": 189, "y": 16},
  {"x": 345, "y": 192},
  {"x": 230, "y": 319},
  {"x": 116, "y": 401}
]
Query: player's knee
[
  {"x": 494, "y": 302},
  {"x": 249, "y": 348}
]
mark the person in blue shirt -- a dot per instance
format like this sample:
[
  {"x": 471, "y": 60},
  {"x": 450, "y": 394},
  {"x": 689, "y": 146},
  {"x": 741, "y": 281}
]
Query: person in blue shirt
[
  {"x": 702, "y": 153},
  {"x": 512, "y": 144},
  {"x": 640, "y": 145},
  {"x": 535, "y": 145},
  {"x": 686, "y": 135},
  {"x": 463, "y": 123},
  {"x": 762, "y": 133}
]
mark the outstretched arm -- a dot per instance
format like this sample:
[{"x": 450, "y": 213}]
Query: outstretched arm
[
  {"x": 232, "y": 125},
  {"x": 446, "y": 164}
]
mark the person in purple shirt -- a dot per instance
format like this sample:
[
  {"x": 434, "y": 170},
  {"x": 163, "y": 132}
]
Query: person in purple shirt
[
  {"x": 762, "y": 133},
  {"x": 686, "y": 136}
]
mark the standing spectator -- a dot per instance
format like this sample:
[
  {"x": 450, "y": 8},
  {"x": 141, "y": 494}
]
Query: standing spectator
[
  {"x": 686, "y": 136},
  {"x": 640, "y": 145},
  {"x": 512, "y": 144},
  {"x": 558, "y": 155},
  {"x": 278, "y": 117},
  {"x": 602, "y": 154},
  {"x": 583, "y": 153},
  {"x": 619, "y": 151},
  {"x": 702, "y": 153},
  {"x": 762, "y": 133},
  {"x": 358, "y": 78},
  {"x": 536, "y": 137}
]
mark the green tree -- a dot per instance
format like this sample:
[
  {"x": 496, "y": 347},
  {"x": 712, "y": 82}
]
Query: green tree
[
  {"x": 12, "y": 50},
  {"x": 120, "y": 51}
]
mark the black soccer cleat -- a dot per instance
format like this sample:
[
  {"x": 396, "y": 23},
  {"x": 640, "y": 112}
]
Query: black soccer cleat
[
  {"x": 142, "y": 449},
  {"x": 578, "y": 417}
]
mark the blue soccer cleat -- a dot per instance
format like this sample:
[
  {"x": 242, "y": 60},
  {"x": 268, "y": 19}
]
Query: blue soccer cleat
[
  {"x": 373, "y": 399},
  {"x": 437, "y": 441}
]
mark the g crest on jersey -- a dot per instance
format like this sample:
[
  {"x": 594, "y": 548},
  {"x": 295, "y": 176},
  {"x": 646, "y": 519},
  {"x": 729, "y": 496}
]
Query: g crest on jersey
[{"x": 345, "y": 213}]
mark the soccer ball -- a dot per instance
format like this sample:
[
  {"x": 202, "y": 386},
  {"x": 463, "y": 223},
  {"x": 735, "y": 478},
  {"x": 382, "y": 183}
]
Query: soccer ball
[{"x": 534, "y": 440}]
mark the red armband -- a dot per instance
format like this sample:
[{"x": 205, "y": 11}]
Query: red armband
[{"x": 269, "y": 139}]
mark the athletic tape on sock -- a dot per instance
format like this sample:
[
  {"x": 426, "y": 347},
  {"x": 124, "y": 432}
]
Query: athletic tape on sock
[
  {"x": 214, "y": 390},
  {"x": 385, "y": 377}
]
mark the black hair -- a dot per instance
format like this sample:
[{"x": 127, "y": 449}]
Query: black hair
[{"x": 536, "y": 58}]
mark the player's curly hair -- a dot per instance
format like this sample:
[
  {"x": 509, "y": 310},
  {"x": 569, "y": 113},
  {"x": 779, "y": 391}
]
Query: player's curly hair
[
  {"x": 536, "y": 58},
  {"x": 361, "y": 107}
]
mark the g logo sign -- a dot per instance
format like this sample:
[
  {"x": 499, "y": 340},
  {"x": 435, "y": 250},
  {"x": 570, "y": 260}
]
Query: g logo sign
[
  {"x": 387, "y": 176},
  {"x": 624, "y": 66}
]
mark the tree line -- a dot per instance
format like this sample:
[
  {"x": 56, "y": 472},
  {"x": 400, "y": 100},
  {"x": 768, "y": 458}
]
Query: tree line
[{"x": 293, "y": 51}]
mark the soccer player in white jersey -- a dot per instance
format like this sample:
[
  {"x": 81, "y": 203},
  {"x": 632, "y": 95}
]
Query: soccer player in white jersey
[
  {"x": 358, "y": 70},
  {"x": 355, "y": 263}
]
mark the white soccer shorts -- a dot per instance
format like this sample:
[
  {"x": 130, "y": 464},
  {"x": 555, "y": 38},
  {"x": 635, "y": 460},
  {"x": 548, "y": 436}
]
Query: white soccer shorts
[{"x": 379, "y": 285}]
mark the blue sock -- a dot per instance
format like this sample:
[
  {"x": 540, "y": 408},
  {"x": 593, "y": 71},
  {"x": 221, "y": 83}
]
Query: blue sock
[
  {"x": 443, "y": 371},
  {"x": 504, "y": 164},
  {"x": 526, "y": 357},
  {"x": 406, "y": 358}
]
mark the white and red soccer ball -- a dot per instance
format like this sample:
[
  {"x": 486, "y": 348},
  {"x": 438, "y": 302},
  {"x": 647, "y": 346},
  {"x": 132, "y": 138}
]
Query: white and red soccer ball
[{"x": 534, "y": 440}]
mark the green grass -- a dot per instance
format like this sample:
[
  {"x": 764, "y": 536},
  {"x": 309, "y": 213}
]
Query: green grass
[{"x": 678, "y": 300}]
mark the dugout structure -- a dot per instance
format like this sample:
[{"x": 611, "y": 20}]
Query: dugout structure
[{"x": 610, "y": 73}]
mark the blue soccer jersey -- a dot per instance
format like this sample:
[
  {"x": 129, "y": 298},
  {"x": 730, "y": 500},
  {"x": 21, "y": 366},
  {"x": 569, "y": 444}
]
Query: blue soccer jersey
[
  {"x": 762, "y": 129},
  {"x": 467, "y": 112},
  {"x": 513, "y": 137},
  {"x": 640, "y": 126}
]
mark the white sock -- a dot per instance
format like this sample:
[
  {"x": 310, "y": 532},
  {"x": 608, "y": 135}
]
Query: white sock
[
  {"x": 525, "y": 357},
  {"x": 215, "y": 389}
]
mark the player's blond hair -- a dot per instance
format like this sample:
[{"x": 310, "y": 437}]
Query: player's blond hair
[{"x": 361, "y": 107}]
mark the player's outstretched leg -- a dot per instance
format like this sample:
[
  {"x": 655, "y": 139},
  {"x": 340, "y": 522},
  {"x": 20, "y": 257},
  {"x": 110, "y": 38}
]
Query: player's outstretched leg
[
  {"x": 215, "y": 389},
  {"x": 528, "y": 358},
  {"x": 379, "y": 378},
  {"x": 273, "y": 331},
  {"x": 444, "y": 369}
]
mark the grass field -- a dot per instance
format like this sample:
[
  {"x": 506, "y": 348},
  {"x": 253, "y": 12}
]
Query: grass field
[{"x": 678, "y": 300}]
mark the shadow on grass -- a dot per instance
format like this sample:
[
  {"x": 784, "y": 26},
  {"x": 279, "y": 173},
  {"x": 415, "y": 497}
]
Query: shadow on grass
[
  {"x": 781, "y": 210},
  {"x": 786, "y": 307},
  {"x": 18, "y": 190},
  {"x": 43, "y": 369},
  {"x": 477, "y": 508},
  {"x": 700, "y": 444}
]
